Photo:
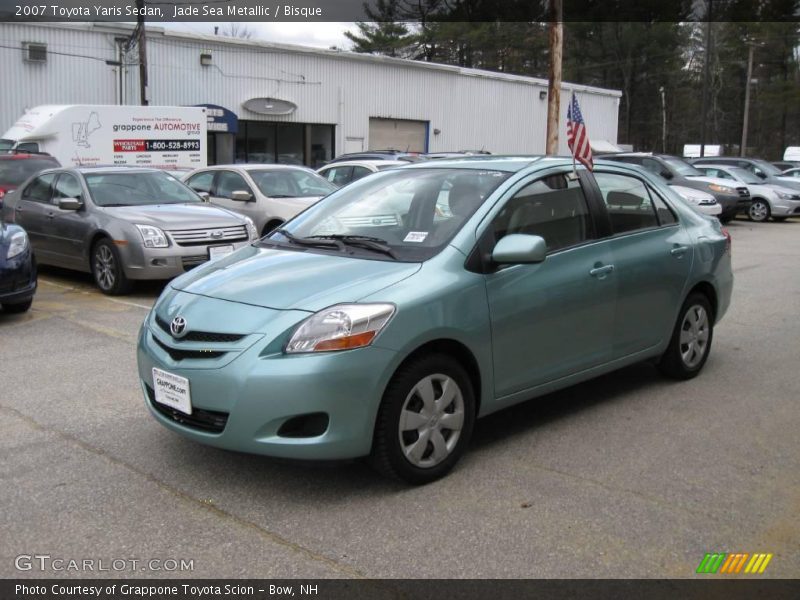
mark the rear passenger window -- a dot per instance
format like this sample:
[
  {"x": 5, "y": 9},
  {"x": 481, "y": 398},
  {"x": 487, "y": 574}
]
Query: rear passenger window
[
  {"x": 630, "y": 206},
  {"x": 40, "y": 189},
  {"x": 553, "y": 208}
]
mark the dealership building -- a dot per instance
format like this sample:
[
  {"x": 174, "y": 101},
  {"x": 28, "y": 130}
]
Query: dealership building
[{"x": 280, "y": 103}]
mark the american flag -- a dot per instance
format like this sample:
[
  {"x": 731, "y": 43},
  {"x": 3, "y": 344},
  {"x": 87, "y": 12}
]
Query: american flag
[{"x": 577, "y": 136}]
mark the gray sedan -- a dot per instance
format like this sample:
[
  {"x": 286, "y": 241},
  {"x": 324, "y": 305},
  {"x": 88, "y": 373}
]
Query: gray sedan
[{"x": 123, "y": 224}]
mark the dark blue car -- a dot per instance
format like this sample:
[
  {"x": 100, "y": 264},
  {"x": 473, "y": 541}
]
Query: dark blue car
[{"x": 17, "y": 269}]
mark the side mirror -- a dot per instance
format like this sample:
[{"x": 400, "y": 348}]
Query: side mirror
[
  {"x": 666, "y": 174},
  {"x": 204, "y": 195},
  {"x": 241, "y": 196},
  {"x": 69, "y": 204},
  {"x": 761, "y": 173},
  {"x": 519, "y": 248}
]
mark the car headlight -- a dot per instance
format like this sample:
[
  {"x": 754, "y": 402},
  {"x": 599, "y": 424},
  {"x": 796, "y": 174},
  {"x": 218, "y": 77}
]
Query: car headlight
[
  {"x": 153, "y": 237},
  {"x": 784, "y": 196},
  {"x": 340, "y": 327},
  {"x": 252, "y": 232},
  {"x": 721, "y": 189},
  {"x": 18, "y": 245}
]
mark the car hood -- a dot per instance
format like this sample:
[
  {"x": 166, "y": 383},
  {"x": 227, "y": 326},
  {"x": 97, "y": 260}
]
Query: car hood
[
  {"x": 292, "y": 279},
  {"x": 775, "y": 187},
  {"x": 176, "y": 216},
  {"x": 790, "y": 182},
  {"x": 715, "y": 180}
]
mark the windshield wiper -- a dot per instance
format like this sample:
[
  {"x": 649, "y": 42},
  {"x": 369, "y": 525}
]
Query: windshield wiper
[
  {"x": 315, "y": 242},
  {"x": 360, "y": 241}
]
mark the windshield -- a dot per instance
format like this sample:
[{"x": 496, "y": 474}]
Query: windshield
[
  {"x": 15, "y": 171},
  {"x": 6, "y": 144},
  {"x": 290, "y": 183},
  {"x": 769, "y": 169},
  {"x": 138, "y": 189},
  {"x": 414, "y": 212},
  {"x": 682, "y": 167},
  {"x": 745, "y": 176}
]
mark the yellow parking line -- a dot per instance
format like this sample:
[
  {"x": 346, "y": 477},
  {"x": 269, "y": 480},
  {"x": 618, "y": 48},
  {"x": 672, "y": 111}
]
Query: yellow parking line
[{"x": 88, "y": 291}]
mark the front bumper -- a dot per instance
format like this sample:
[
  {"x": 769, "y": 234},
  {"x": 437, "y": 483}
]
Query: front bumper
[
  {"x": 17, "y": 279},
  {"x": 785, "y": 208},
  {"x": 166, "y": 263},
  {"x": 258, "y": 391}
]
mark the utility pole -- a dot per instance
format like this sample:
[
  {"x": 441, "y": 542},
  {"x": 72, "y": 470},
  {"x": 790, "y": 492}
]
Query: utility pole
[
  {"x": 743, "y": 147},
  {"x": 704, "y": 109},
  {"x": 141, "y": 41},
  {"x": 663, "y": 121},
  {"x": 555, "y": 30}
]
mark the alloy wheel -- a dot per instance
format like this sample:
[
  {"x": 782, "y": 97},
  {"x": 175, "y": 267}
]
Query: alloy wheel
[
  {"x": 105, "y": 267},
  {"x": 431, "y": 420},
  {"x": 759, "y": 211},
  {"x": 694, "y": 336}
]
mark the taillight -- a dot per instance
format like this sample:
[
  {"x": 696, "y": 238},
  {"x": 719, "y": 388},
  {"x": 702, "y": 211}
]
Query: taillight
[
  {"x": 2, "y": 193},
  {"x": 727, "y": 235}
]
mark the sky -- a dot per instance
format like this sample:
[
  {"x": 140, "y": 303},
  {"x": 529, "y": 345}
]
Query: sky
[{"x": 320, "y": 35}]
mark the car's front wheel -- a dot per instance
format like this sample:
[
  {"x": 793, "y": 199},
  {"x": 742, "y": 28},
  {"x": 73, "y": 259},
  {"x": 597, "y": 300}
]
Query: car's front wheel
[
  {"x": 759, "y": 210},
  {"x": 107, "y": 269},
  {"x": 425, "y": 420},
  {"x": 691, "y": 339}
]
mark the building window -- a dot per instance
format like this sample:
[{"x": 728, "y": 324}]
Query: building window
[
  {"x": 34, "y": 52},
  {"x": 284, "y": 143}
]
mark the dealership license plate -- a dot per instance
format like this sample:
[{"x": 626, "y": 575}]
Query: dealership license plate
[
  {"x": 215, "y": 252},
  {"x": 172, "y": 390}
]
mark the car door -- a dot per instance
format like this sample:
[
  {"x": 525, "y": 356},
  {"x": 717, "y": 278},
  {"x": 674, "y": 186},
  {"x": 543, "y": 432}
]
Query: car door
[
  {"x": 652, "y": 255},
  {"x": 555, "y": 318},
  {"x": 68, "y": 230},
  {"x": 31, "y": 210},
  {"x": 227, "y": 182}
]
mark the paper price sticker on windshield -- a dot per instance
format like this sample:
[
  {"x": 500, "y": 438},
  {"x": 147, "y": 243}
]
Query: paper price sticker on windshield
[{"x": 416, "y": 236}]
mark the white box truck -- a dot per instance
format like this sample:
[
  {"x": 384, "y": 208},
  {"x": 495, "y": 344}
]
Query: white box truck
[{"x": 165, "y": 137}]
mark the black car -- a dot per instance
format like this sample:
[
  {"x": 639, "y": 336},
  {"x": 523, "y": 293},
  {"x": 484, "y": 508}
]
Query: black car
[
  {"x": 732, "y": 198},
  {"x": 17, "y": 269},
  {"x": 16, "y": 167}
]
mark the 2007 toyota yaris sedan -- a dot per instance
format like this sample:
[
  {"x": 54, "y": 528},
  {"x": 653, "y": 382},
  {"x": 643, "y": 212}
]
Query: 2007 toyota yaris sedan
[{"x": 386, "y": 319}]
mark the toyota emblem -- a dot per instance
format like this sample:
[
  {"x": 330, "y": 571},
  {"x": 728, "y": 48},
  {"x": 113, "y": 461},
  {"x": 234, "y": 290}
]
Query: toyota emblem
[
  {"x": 217, "y": 234},
  {"x": 178, "y": 327}
]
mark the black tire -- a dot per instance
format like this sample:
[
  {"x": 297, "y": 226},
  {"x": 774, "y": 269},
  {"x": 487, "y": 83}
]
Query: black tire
[
  {"x": 18, "y": 307},
  {"x": 725, "y": 219},
  {"x": 107, "y": 269},
  {"x": 388, "y": 455},
  {"x": 759, "y": 211},
  {"x": 270, "y": 227},
  {"x": 673, "y": 362}
]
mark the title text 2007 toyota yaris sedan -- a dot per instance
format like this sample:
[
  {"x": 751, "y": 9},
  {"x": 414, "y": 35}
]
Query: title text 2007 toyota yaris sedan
[{"x": 386, "y": 319}]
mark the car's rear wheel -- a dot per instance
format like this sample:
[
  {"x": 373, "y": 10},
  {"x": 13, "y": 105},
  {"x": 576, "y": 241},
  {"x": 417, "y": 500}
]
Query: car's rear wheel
[
  {"x": 759, "y": 210},
  {"x": 107, "y": 269},
  {"x": 270, "y": 227},
  {"x": 425, "y": 420},
  {"x": 18, "y": 307},
  {"x": 691, "y": 339}
]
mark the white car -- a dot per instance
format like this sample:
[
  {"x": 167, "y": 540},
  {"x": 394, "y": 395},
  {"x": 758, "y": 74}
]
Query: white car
[
  {"x": 268, "y": 194},
  {"x": 699, "y": 200},
  {"x": 342, "y": 173},
  {"x": 769, "y": 199}
]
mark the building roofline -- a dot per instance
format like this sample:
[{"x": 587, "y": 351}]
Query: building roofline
[{"x": 266, "y": 46}]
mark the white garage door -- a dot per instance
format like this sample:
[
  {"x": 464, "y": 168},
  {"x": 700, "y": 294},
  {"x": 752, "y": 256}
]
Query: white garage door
[{"x": 397, "y": 134}]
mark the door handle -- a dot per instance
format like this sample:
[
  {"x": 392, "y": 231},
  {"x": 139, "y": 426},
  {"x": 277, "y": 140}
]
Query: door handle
[
  {"x": 679, "y": 251},
  {"x": 601, "y": 272},
  {"x": 51, "y": 215}
]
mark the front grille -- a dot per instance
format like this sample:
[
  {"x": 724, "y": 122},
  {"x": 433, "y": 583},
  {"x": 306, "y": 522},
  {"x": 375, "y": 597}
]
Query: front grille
[
  {"x": 369, "y": 221},
  {"x": 203, "y": 237},
  {"x": 211, "y": 421},
  {"x": 201, "y": 336},
  {"x": 179, "y": 354},
  {"x": 190, "y": 262},
  {"x": 743, "y": 192}
]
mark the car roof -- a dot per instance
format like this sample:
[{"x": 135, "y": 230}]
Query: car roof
[
  {"x": 255, "y": 167},
  {"x": 509, "y": 164},
  {"x": 368, "y": 162},
  {"x": 114, "y": 169}
]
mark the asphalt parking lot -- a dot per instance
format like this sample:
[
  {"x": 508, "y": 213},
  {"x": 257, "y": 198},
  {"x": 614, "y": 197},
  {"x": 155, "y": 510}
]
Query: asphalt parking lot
[{"x": 629, "y": 475}]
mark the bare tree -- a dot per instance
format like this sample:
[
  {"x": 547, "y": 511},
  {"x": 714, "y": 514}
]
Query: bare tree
[{"x": 234, "y": 30}]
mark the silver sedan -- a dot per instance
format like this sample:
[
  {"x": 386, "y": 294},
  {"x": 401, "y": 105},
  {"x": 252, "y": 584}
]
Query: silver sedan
[{"x": 123, "y": 224}]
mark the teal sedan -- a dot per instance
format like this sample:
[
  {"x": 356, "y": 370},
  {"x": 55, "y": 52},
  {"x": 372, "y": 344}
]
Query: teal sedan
[{"x": 386, "y": 319}]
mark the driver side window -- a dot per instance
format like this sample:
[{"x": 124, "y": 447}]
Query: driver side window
[
  {"x": 229, "y": 182},
  {"x": 553, "y": 208},
  {"x": 67, "y": 187}
]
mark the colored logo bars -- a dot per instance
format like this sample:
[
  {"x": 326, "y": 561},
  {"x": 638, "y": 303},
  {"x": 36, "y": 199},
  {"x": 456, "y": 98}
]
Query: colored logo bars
[{"x": 733, "y": 563}]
